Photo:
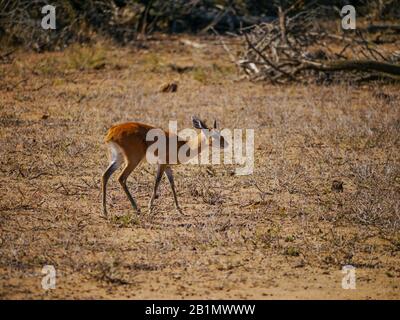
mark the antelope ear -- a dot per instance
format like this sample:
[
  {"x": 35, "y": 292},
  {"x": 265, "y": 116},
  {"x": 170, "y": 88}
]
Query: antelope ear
[
  {"x": 215, "y": 124},
  {"x": 198, "y": 124}
]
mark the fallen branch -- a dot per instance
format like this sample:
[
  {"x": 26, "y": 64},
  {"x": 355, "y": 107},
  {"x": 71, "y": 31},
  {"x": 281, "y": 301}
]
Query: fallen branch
[
  {"x": 353, "y": 65},
  {"x": 294, "y": 48}
]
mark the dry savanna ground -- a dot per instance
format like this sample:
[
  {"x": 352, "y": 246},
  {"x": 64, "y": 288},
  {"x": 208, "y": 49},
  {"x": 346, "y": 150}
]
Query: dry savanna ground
[{"x": 282, "y": 232}]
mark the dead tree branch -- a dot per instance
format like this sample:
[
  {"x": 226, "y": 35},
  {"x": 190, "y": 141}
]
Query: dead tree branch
[{"x": 295, "y": 48}]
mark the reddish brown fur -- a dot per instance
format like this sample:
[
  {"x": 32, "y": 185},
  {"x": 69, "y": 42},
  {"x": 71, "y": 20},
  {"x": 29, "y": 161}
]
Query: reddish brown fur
[
  {"x": 120, "y": 132},
  {"x": 131, "y": 137}
]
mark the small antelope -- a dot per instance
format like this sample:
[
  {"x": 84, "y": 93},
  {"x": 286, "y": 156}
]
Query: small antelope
[{"x": 127, "y": 144}]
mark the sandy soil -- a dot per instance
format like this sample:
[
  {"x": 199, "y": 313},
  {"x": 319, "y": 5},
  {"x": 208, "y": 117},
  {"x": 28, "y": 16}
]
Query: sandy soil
[{"x": 282, "y": 232}]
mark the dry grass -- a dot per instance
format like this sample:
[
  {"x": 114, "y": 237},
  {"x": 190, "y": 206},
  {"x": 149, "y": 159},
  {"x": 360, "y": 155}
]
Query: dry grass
[{"x": 282, "y": 232}]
